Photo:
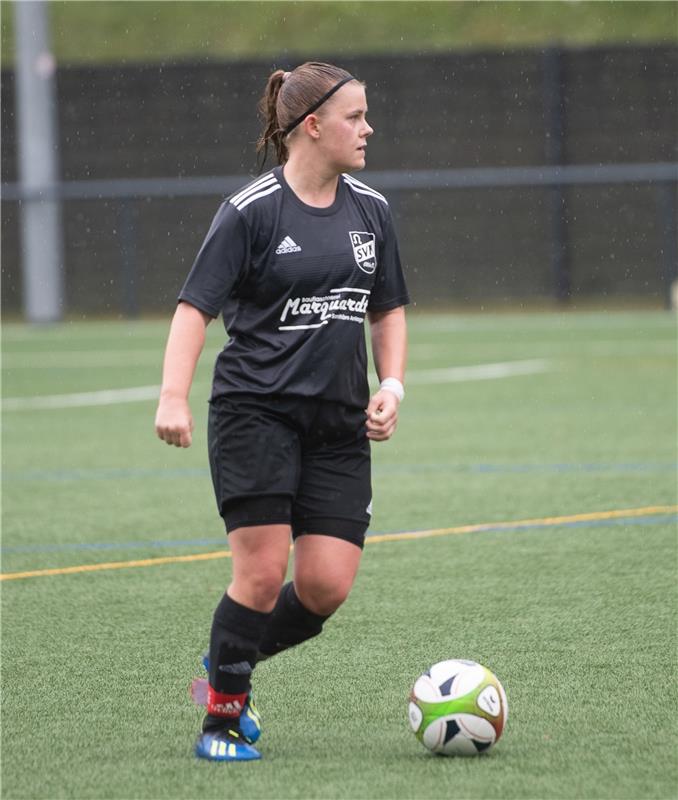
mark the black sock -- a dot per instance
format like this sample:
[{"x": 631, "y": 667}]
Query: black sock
[
  {"x": 290, "y": 624},
  {"x": 234, "y": 642}
]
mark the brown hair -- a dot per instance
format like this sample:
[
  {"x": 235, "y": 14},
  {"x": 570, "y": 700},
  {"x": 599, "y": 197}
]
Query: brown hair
[{"x": 286, "y": 97}]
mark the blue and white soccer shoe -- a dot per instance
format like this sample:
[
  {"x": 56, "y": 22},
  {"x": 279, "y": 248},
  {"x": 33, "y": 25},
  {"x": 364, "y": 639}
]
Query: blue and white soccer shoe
[
  {"x": 249, "y": 721},
  {"x": 225, "y": 745}
]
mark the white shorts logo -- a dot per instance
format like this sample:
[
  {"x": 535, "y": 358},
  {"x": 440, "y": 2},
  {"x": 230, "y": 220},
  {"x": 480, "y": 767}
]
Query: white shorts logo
[{"x": 364, "y": 250}]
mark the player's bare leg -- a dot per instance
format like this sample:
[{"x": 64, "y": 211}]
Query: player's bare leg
[
  {"x": 324, "y": 571},
  {"x": 260, "y": 555}
]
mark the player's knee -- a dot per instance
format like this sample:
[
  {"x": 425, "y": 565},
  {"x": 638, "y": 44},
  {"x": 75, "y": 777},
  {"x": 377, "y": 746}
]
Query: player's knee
[
  {"x": 266, "y": 585},
  {"x": 322, "y": 596},
  {"x": 262, "y": 586}
]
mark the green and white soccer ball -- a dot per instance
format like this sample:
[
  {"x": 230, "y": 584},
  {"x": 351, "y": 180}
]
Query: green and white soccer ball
[{"x": 458, "y": 708}]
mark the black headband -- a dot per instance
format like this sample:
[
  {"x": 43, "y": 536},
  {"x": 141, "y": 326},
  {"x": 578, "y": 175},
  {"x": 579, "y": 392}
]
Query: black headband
[{"x": 317, "y": 105}]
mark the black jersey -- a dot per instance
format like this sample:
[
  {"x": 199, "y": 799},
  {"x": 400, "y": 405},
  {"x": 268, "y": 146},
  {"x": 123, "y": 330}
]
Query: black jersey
[{"x": 293, "y": 284}]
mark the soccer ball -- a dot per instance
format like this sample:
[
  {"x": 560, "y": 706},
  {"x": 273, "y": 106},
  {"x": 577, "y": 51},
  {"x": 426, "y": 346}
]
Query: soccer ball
[{"x": 458, "y": 708}]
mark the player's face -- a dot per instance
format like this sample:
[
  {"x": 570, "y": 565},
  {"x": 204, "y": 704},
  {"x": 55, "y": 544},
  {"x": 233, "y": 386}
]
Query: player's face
[{"x": 344, "y": 129}]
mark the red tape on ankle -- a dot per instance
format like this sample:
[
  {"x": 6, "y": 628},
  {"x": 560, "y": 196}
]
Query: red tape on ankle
[{"x": 225, "y": 705}]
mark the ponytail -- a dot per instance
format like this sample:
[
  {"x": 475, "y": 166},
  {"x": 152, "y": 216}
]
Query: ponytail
[{"x": 272, "y": 132}]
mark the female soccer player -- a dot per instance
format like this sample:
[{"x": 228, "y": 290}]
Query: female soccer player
[{"x": 294, "y": 262}]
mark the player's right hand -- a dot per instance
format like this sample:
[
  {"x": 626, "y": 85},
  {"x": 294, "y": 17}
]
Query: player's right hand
[{"x": 173, "y": 422}]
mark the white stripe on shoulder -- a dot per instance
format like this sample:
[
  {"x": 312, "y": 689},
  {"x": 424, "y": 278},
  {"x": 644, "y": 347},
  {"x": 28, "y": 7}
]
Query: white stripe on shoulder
[
  {"x": 363, "y": 188},
  {"x": 261, "y": 183},
  {"x": 265, "y": 180},
  {"x": 376, "y": 195},
  {"x": 275, "y": 188}
]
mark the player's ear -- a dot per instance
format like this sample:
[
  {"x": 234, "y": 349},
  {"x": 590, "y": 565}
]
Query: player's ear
[{"x": 312, "y": 126}]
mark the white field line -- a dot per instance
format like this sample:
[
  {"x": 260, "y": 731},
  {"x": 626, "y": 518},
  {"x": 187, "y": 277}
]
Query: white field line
[
  {"x": 602, "y": 321},
  {"x": 584, "y": 349},
  {"x": 81, "y": 359},
  {"x": 108, "y": 397},
  {"x": 479, "y": 372}
]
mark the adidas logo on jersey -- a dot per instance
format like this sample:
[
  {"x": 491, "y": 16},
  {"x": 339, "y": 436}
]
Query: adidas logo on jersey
[{"x": 288, "y": 245}]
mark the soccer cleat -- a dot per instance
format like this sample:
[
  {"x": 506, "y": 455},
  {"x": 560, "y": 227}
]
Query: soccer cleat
[
  {"x": 225, "y": 745},
  {"x": 249, "y": 721}
]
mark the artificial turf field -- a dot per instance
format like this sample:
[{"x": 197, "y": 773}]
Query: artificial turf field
[{"x": 573, "y": 428}]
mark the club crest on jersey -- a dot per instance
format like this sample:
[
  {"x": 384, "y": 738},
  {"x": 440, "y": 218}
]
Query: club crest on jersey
[{"x": 364, "y": 250}]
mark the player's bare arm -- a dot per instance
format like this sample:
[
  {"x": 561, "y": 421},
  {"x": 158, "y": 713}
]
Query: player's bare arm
[
  {"x": 173, "y": 420},
  {"x": 389, "y": 347}
]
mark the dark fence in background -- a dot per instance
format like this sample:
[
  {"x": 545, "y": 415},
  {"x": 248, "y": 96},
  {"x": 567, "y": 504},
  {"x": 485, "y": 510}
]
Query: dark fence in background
[{"x": 128, "y": 248}]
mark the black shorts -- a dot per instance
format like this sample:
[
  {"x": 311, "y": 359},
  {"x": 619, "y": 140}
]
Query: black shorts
[{"x": 291, "y": 460}]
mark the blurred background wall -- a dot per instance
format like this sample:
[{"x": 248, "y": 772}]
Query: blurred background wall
[{"x": 458, "y": 112}]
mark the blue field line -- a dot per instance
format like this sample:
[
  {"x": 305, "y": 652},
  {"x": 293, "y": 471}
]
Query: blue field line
[
  {"x": 134, "y": 473},
  {"x": 653, "y": 519},
  {"x": 140, "y": 543},
  {"x": 575, "y": 467},
  {"x": 529, "y": 468},
  {"x": 102, "y": 474}
]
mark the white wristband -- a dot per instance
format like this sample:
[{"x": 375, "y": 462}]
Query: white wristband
[{"x": 395, "y": 386}]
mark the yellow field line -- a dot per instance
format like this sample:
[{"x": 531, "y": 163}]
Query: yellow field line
[
  {"x": 144, "y": 562},
  {"x": 526, "y": 523},
  {"x": 387, "y": 537}
]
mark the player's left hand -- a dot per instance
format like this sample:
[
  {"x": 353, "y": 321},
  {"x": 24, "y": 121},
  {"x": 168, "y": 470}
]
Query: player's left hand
[{"x": 382, "y": 415}]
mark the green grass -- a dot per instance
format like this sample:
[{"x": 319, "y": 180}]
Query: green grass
[
  {"x": 101, "y": 32},
  {"x": 577, "y": 621}
]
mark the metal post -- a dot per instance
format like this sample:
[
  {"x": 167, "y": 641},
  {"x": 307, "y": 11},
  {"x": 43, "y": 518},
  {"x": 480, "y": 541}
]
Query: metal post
[
  {"x": 667, "y": 215},
  {"x": 37, "y": 142}
]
